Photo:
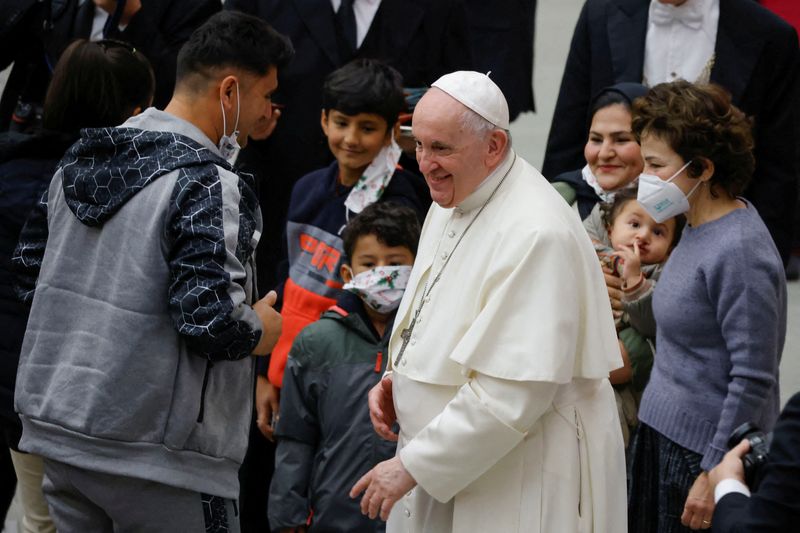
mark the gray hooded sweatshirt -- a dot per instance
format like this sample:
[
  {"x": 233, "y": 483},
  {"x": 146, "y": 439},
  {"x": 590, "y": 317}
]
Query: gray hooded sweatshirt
[{"x": 136, "y": 359}]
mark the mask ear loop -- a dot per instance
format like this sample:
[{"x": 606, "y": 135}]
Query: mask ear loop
[
  {"x": 684, "y": 167},
  {"x": 235, "y": 133}
]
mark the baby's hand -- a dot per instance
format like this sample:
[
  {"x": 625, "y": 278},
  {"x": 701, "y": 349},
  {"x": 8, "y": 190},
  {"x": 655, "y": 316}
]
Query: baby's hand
[{"x": 631, "y": 263}]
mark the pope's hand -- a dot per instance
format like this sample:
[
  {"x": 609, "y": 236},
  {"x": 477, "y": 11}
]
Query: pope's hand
[
  {"x": 381, "y": 408},
  {"x": 385, "y": 484}
]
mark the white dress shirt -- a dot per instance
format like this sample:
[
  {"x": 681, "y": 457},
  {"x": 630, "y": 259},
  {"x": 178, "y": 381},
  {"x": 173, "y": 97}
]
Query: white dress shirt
[
  {"x": 365, "y": 12},
  {"x": 680, "y": 41}
]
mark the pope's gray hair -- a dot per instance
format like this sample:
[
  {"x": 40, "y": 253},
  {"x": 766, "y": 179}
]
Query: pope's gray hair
[{"x": 479, "y": 126}]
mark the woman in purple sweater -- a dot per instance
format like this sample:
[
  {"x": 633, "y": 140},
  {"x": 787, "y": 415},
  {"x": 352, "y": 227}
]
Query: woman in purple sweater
[{"x": 720, "y": 305}]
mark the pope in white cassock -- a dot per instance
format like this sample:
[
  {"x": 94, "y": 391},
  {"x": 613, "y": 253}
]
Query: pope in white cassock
[{"x": 501, "y": 346}]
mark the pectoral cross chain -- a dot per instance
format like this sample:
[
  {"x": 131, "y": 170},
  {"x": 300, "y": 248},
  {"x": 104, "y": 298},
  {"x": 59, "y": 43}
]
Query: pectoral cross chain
[{"x": 406, "y": 336}]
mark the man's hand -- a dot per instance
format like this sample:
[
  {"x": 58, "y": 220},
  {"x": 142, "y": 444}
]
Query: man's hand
[
  {"x": 731, "y": 466},
  {"x": 699, "y": 505},
  {"x": 381, "y": 409},
  {"x": 614, "y": 286},
  {"x": 385, "y": 484},
  {"x": 271, "y": 323},
  {"x": 131, "y": 8},
  {"x": 267, "y": 406}
]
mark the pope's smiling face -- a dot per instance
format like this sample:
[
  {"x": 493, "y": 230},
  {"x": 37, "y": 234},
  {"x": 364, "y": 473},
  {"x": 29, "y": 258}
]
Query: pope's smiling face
[{"x": 452, "y": 158}]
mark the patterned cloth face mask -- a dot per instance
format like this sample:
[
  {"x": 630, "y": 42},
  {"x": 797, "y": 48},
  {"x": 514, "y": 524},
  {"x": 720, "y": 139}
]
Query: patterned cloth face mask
[
  {"x": 381, "y": 288},
  {"x": 369, "y": 187}
]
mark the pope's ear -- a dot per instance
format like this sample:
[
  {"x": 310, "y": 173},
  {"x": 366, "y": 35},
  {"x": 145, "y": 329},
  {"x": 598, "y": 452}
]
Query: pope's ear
[{"x": 498, "y": 141}]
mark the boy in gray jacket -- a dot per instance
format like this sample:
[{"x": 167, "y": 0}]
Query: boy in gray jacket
[{"x": 136, "y": 377}]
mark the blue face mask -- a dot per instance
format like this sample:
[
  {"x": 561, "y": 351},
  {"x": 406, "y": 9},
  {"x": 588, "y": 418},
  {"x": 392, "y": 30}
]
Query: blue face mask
[{"x": 229, "y": 144}]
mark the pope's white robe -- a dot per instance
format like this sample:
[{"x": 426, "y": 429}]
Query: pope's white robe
[{"x": 508, "y": 422}]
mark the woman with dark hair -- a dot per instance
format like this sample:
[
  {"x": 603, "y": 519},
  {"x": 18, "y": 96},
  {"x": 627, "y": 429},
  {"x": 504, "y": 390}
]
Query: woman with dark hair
[
  {"x": 613, "y": 159},
  {"x": 94, "y": 84},
  {"x": 720, "y": 305}
]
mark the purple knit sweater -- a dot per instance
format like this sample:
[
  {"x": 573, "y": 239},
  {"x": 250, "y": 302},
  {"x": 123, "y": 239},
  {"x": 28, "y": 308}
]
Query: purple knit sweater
[{"x": 720, "y": 309}]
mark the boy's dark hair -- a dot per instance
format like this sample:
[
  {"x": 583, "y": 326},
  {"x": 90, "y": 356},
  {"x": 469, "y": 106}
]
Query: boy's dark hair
[
  {"x": 233, "y": 39},
  {"x": 393, "y": 225},
  {"x": 97, "y": 84},
  {"x": 611, "y": 210},
  {"x": 365, "y": 86}
]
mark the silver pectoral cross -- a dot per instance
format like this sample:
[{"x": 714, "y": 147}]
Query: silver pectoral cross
[{"x": 406, "y": 336}]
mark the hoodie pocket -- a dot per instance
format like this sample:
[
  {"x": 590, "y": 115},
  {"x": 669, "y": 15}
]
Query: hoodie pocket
[{"x": 202, "y": 410}]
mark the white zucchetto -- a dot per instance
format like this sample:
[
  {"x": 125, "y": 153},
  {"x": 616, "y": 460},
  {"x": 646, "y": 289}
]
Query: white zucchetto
[{"x": 477, "y": 92}]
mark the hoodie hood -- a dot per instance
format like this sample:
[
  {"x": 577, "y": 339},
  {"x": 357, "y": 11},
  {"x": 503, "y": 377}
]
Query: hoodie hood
[{"x": 108, "y": 166}]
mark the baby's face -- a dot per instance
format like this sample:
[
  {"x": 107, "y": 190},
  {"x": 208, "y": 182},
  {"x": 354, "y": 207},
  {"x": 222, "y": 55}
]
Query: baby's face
[{"x": 633, "y": 224}]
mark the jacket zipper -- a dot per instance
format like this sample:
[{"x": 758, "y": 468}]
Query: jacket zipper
[{"x": 203, "y": 393}]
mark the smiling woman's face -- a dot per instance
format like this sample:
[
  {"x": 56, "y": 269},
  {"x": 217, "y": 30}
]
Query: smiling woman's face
[{"x": 611, "y": 151}]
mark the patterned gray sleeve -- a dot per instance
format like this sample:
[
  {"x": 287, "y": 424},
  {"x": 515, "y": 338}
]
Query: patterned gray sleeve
[
  {"x": 210, "y": 231},
  {"x": 28, "y": 256}
]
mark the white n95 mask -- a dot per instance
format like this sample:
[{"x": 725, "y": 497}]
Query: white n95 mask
[{"x": 663, "y": 199}]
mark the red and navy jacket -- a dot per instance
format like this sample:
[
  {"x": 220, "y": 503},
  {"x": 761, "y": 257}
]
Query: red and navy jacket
[{"x": 314, "y": 250}]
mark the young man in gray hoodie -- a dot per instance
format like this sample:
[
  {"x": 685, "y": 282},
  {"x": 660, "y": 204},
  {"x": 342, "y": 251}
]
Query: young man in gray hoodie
[{"x": 136, "y": 377}]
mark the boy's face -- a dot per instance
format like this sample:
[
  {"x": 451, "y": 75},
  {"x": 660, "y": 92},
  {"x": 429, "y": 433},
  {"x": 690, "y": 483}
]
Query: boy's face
[
  {"x": 369, "y": 253},
  {"x": 355, "y": 140},
  {"x": 633, "y": 224}
]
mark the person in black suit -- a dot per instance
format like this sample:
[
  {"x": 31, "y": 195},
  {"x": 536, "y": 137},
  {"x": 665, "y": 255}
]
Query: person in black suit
[
  {"x": 501, "y": 41},
  {"x": 756, "y": 58},
  {"x": 35, "y": 33},
  {"x": 775, "y": 506}
]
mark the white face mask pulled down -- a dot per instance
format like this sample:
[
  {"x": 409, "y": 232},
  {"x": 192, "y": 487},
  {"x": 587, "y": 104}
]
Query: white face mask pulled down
[
  {"x": 381, "y": 288},
  {"x": 229, "y": 144},
  {"x": 662, "y": 199}
]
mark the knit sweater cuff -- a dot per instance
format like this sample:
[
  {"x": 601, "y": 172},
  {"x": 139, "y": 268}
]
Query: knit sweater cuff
[{"x": 712, "y": 457}]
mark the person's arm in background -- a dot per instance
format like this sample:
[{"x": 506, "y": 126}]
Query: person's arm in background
[
  {"x": 775, "y": 506},
  {"x": 568, "y": 129},
  {"x": 774, "y": 188},
  {"x": 29, "y": 254}
]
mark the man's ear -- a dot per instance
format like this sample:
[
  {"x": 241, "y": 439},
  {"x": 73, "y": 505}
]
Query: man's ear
[
  {"x": 323, "y": 121},
  {"x": 227, "y": 91},
  {"x": 498, "y": 141},
  {"x": 392, "y": 133},
  {"x": 346, "y": 272}
]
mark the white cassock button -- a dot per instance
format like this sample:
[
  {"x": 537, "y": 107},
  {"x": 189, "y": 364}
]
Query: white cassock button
[
  {"x": 413, "y": 341},
  {"x": 408, "y": 513},
  {"x": 451, "y": 234},
  {"x": 427, "y": 299},
  {"x": 444, "y": 255},
  {"x": 404, "y": 362}
]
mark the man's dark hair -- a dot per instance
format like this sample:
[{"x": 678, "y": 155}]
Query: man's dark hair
[
  {"x": 233, "y": 39},
  {"x": 365, "y": 86},
  {"x": 97, "y": 84},
  {"x": 392, "y": 224}
]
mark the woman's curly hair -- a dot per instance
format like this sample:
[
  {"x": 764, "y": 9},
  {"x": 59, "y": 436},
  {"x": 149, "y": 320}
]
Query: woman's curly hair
[{"x": 699, "y": 121}]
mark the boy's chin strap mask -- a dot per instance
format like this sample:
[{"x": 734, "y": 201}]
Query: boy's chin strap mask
[{"x": 229, "y": 144}]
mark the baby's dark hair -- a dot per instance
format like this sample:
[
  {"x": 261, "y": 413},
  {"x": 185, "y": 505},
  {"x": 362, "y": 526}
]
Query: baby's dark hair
[
  {"x": 393, "y": 225},
  {"x": 365, "y": 86},
  {"x": 611, "y": 210}
]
